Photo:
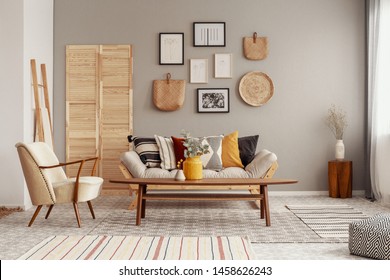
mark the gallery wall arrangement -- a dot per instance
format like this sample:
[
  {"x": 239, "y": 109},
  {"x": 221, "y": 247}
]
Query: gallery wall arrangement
[{"x": 256, "y": 88}]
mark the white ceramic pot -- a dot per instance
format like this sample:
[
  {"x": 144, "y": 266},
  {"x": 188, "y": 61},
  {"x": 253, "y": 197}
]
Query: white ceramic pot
[{"x": 180, "y": 175}]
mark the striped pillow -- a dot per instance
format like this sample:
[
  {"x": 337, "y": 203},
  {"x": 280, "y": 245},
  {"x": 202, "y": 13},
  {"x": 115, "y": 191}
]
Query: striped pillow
[
  {"x": 167, "y": 152},
  {"x": 147, "y": 149}
]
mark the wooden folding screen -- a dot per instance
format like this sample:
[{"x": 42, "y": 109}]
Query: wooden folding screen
[{"x": 98, "y": 105}]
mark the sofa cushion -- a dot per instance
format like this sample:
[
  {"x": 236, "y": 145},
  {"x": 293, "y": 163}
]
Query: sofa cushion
[
  {"x": 147, "y": 149},
  {"x": 230, "y": 151},
  {"x": 247, "y": 146},
  {"x": 167, "y": 152},
  {"x": 230, "y": 172},
  {"x": 256, "y": 169}
]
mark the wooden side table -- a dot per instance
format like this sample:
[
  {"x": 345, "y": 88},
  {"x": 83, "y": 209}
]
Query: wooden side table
[{"x": 340, "y": 178}]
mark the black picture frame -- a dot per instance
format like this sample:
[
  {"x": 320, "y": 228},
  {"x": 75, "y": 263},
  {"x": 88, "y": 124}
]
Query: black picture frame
[
  {"x": 213, "y": 100},
  {"x": 171, "y": 48},
  {"x": 209, "y": 34}
]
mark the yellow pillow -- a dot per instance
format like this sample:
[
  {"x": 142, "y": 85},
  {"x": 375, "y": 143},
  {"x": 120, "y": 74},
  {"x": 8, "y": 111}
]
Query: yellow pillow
[{"x": 230, "y": 151}]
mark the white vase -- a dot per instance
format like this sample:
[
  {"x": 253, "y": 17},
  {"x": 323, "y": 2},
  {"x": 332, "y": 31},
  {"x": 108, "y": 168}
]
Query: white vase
[
  {"x": 339, "y": 150},
  {"x": 180, "y": 175}
]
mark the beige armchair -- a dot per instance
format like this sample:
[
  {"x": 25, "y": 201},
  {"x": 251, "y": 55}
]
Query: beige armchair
[{"x": 48, "y": 184}]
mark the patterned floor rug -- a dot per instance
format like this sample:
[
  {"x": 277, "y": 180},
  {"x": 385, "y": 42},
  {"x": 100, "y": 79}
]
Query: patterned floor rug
[
  {"x": 328, "y": 221},
  {"x": 287, "y": 238},
  {"x": 102, "y": 247},
  {"x": 200, "y": 218}
]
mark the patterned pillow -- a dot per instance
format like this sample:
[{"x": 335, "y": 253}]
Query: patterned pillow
[
  {"x": 213, "y": 160},
  {"x": 247, "y": 146},
  {"x": 167, "y": 152},
  {"x": 147, "y": 149}
]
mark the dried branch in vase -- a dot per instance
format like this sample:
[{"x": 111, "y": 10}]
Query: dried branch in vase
[{"x": 337, "y": 121}]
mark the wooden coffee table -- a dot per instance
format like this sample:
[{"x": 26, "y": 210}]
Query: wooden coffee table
[{"x": 143, "y": 195}]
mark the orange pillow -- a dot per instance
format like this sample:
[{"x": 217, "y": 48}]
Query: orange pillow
[{"x": 230, "y": 151}]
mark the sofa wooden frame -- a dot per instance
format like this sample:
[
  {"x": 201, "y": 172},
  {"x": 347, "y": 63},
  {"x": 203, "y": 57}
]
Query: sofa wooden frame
[{"x": 133, "y": 189}]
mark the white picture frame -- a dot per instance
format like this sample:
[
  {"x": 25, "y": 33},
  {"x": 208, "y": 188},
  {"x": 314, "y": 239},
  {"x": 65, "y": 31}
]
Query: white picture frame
[
  {"x": 223, "y": 65},
  {"x": 198, "y": 71}
]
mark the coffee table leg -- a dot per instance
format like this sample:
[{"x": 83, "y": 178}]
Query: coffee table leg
[
  {"x": 143, "y": 202},
  {"x": 139, "y": 205},
  {"x": 262, "y": 202},
  {"x": 266, "y": 206}
]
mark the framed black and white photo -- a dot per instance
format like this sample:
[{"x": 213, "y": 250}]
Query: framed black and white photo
[
  {"x": 213, "y": 100},
  {"x": 209, "y": 34},
  {"x": 223, "y": 65},
  {"x": 198, "y": 70},
  {"x": 171, "y": 49}
]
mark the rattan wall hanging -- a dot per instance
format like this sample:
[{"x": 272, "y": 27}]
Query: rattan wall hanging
[
  {"x": 256, "y": 88},
  {"x": 169, "y": 95},
  {"x": 255, "y": 48}
]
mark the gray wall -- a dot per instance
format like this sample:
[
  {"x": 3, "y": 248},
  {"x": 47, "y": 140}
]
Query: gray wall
[{"x": 316, "y": 58}]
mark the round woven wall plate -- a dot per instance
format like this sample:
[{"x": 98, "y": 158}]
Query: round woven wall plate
[{"x": 256, "y": 88}]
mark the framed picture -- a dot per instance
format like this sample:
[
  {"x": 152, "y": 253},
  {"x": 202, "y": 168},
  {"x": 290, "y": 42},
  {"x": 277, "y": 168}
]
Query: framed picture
[
  {"x": 171, "y": 49},
  {"x": 223, "y": 65},
  {"x": 198, "y": 70},
  {"x": 213, "y": 100},
  {"x": 209, "y": 34}
]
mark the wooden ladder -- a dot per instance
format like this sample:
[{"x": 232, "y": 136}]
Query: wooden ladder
[{"x": 43, "y": 123}]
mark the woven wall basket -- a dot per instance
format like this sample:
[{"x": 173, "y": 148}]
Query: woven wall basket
[
  {"x": 169, "y": 95},
  {"x": 255, "y": 48},
  {"x": 256, "y": 88}
]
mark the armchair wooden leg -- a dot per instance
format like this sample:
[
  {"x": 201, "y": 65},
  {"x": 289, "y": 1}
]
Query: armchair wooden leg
[
  {"x": 35, "y": 215},
  {"x": 76, "y": 210},
  {"x": 91, "y": 209},
  {"x": 49, "y": 211}
]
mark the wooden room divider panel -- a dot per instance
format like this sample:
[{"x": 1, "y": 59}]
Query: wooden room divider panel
[{"x": 98, "y": 105}]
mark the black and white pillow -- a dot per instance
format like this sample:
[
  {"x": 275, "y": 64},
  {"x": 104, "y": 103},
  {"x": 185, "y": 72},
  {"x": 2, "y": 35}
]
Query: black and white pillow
[{"x": 147, "y": 149}]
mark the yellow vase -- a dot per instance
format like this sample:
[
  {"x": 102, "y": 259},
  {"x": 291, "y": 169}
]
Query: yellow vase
[{"x": 192, "y": 168}]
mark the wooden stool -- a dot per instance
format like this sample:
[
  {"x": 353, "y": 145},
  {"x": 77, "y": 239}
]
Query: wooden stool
[{"x": 340, "y": 178}]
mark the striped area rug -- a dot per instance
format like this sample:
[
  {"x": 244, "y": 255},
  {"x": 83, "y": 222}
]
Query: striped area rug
[
  {"x": 103, "y": 247},
  {"x": 328, "y": 221}
]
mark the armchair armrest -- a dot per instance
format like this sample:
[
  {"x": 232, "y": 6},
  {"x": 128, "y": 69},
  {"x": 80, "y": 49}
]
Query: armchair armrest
[
  {"x": 133, "y": 163},
  {"x": 81, "y": 162},
  {"x": 262, "y": 161}
]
